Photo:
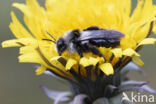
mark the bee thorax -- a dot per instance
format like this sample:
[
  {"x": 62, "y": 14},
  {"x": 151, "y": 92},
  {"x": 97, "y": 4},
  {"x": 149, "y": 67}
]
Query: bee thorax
[{"x": 71, "y": 47}]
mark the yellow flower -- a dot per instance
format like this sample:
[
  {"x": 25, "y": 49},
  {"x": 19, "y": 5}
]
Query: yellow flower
[{"x": 60, "y": 16}]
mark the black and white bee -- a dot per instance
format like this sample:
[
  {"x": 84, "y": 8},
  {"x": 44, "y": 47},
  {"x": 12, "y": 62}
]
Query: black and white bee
[{"x": 87, "y": 40}]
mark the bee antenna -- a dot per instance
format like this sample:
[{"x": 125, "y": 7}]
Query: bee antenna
[
  {"x": 51, "y": 36},
  {"x": 50, "y": 40}
]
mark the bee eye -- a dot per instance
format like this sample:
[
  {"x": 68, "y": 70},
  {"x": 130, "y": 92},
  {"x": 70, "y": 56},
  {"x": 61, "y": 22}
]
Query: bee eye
[
  {"x": 61, "y": 46},
  {"x": 60, "y": 43}
]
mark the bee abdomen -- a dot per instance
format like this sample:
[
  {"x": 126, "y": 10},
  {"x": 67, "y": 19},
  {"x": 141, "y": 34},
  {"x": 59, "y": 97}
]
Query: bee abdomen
[{"x": 105, "y": 43}]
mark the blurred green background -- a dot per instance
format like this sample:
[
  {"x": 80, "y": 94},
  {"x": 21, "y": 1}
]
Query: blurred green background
[{"x": 18, "y": 82}]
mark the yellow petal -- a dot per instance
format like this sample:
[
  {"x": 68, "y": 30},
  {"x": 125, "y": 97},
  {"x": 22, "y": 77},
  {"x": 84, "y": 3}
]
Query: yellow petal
[
  {"x": 55, "y": 62},
  {"x": 107, "y": 68},
  {"x": 88, "y": 61},
  {"x": 10, "y": 43},
  {"x": 30, "y": 58},
  {"x": 147, "y": 41},
  {"x": 84, "y": 62},
  {"x": 137, "y": 11},
  {"x": 17, "y": 28},
  {"x": 47, "y": 51},
  {"x": 40, "y": 70},
  {"x": 55, "y": 58},
  {"x": 107, "y": 53},
  {"x": 22, "y": 7},
  {"x": 130, "y": 52},
  {"x": 137, "y": 60},
  {"x": 70, "y": 63},
  {"x": 35, "y": 18},
  {"x": 117, "y": 52},
  {"x": 128, "y": 42},
  {"x": 101, "y": 60},
  {"x": 29, "y": 41},
  {"x": 27, "y": 49},
  {"x": 93, "y": 61},
  {"x": 20, "y": 42}
]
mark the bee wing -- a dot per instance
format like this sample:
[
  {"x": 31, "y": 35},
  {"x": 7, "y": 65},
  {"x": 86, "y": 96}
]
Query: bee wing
[{"x": 100, "y": 34}]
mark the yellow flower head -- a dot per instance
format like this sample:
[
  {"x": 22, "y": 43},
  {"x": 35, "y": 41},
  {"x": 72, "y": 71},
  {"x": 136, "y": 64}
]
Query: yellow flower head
[{"x": 60, "y": 16}]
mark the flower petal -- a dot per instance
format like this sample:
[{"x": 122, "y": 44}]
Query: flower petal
[
  {"x": 22, "y": 7},
  {"x": 20, "y": 42},
  {"x": 130, "y": 67},
  {"x": 55, "y": 62},
  {"x": 79, "y": 99},
  {"x": 27, "y": 49},
  {"x": 117, "y": 52},
  {"x": 40, "y": 70},
  {"x": 147, "y": 41},
  {"x": 70, "y": 63},
  {"x": 10, "y": 43},
  {"x": 18, "y": 29},
  {"x": 35, "y": 18},
  {"x": 148, "y": 89},
  {"x": 55, "y": 95},
  {"x": 131, "y": 86},
  {"x": 88, "y": 61},
  {"x": 130, "y": 52},
  {"x": 107, "y": 68},
  {"x": 137, "y": 60},
  {"x": 30, "y": 58}
]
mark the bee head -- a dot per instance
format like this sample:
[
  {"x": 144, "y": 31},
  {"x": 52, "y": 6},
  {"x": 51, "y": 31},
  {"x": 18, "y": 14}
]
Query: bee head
[{"x": 61, "y": 46}]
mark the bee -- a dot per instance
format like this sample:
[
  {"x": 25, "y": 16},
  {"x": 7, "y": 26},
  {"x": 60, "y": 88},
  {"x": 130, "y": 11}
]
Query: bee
[{"x": 87, "y": 40}]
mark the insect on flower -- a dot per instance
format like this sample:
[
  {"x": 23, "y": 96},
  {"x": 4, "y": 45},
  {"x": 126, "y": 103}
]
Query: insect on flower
[
  {"x": 106, "y": 34},
  {"x": 87, "y": 40}
]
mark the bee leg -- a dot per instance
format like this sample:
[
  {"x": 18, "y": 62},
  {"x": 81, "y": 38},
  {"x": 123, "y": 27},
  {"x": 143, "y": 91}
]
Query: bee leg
[
  {"x": 95, "y": 51},
  {"x": 79, "y": 51}
]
